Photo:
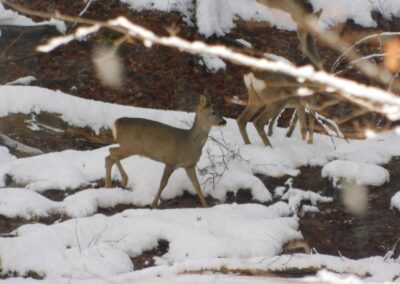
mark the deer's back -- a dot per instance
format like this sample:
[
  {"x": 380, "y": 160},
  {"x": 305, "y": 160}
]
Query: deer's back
[
  {"x": 149, "y": 138},
  {"x": 268, "y": 86}
]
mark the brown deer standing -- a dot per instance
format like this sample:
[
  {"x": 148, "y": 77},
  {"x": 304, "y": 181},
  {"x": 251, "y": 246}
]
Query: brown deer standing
[
  {"x": 175, "y": 147},
  {"x": 272, "y": 92}
]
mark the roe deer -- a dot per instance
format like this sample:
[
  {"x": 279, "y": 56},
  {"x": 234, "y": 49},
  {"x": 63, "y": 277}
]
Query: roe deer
[
  {"x": 175, "y": 147},
  {"x": 272, "y": 92},
  {"x": 300, "y": 10}
]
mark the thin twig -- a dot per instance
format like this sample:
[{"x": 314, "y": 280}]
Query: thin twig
[{"x": 76, "y": 235}]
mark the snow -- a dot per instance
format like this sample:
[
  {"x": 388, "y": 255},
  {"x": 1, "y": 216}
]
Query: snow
[
  {"x": 23, "y": 81},
  {"x": 5, "y": 156},
  {"x": 235, "y": 165},
  {"x": 360, "y": 172},
  {"x": 90, "y": 247},
  {"x": 395, "y": 201},
  {"x": 9, "y": 17},
  {"x": 19, "y": 202},
  {"x": 295, "y": 197},
  {"x": 244, "y": 43},
  {"x": 100, "y": 245},
  {"x": 213, "y": 63}
]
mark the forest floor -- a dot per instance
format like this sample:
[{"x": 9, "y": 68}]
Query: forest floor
[{"x": 163, "y": 78}]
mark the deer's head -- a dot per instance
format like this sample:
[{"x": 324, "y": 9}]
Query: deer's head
[{"x": 207, "y": 116}]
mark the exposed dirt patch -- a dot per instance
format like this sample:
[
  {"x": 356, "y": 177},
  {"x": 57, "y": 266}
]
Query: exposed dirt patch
[
  {"x": 146, "y": 259},
  {"x": 336, "y": 231},
  {"x": 29, "y": 274},
  {"x": 7, "y": 225}
]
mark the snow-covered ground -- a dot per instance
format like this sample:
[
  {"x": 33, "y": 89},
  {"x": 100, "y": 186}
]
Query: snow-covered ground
[
  {"x": 9, "y": 17},
  {"x": 234, "y": 164},
  {"x": 92, "y": 247}
]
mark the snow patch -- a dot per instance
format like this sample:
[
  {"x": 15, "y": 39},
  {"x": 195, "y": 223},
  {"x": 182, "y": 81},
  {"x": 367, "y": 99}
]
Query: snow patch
[
  {"x": 295, "y": 197},
  {"x": 213, "y": 63},
  {"x": 102, "y": 246},
  {"x": 25, "y": 81},
  {"x": 395, "y": 201},
  {"x": 361, "y": 173},
  {"x": 9, "y": 17}
]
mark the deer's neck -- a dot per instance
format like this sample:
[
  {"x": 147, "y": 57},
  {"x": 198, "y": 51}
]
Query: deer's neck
[{"x": 198, "y": 133}]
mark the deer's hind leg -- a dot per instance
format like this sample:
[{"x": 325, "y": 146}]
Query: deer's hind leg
[
  {"x": 115, "y": 157},
  {"x": 271, "y": 125},
  {"x": 301, "y": 112},
  {"x": 244, "y": 118},
  {"x": 292, "y": 125},
  {"x": 270, "y": 112},
  {"x": 310, "y": 138}
]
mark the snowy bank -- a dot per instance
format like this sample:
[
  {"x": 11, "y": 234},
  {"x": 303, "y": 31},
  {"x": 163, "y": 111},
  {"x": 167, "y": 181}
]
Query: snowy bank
[
  {"x": 11, "y": 18},
  {"x": 102, "y": 246},
  {"x": 220, "y": 169}
]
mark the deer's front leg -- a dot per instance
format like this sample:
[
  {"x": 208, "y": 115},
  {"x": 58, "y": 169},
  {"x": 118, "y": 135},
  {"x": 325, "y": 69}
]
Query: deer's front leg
[
  {"x": 303, "y": 121},
  {"x": 168, "y": 170},
  {"x": 109, "y": 162},
  {"x": 191, "y": 173},
  {"x": 311, "y": 126},
  {"x": 123, "y": 174},
  {"x": 271, "y": 125},
  {"x": 116, "y": 154},
  {"x": 292, "y": 125}
]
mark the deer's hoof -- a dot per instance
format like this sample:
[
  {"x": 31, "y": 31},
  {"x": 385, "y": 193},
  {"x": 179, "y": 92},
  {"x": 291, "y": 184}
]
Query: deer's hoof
[
  {"x": 154, "y": 205},
  {"x": 124, "y": 183}
]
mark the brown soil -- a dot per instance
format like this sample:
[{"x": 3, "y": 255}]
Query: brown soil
[
  {"x": 167, "y": 79},
  {"x": 336, "y": 231}
]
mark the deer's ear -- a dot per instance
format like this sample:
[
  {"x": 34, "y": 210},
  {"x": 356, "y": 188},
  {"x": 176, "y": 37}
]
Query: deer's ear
[
  {"x": 318, "y": 14},
  {"x": 203, "y": 101}
]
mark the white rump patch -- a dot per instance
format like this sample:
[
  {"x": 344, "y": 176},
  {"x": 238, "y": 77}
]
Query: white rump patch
[{"x": 250, "y": 80}]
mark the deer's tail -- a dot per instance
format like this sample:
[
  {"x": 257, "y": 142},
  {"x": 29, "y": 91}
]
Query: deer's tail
[
  {"x": 235, "y": 100},
  {"x": 114, "y": 131}
]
